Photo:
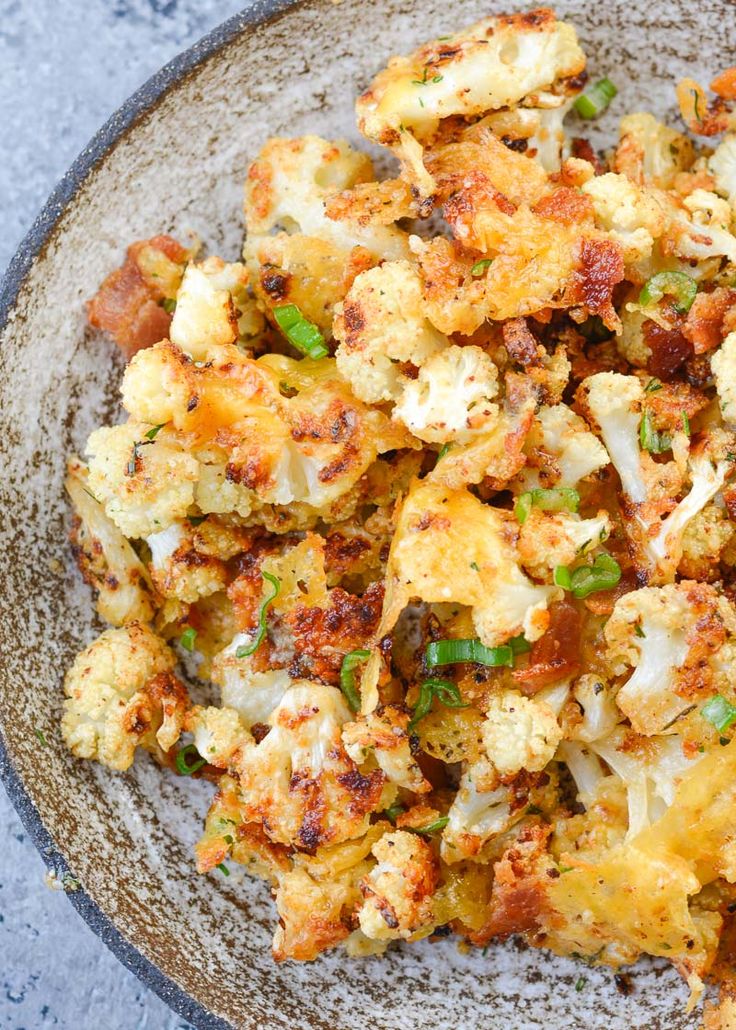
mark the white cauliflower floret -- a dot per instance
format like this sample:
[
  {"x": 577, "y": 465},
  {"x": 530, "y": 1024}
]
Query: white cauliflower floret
[
  {"x": 106, "y": 559},
  {"x": 144, "y": 485},
  {"x": 218, "y": 733},
  {"x": 158, "y": 385},
  {"x": 614, "y": 401},
  {"x": 216, "y": 494},
  {"x": 181, "y": 570},
  {"x": 630, "y": 341},
  {"x": 723, "y": 364},
  {"x": 451, "y": 398},
  {"x": 632, "y": 215},
  {"x": 548, "y": 539},
  {"x": 652, "y": 631},
  {"x": 722, "y": 166},
  {"x": 385, "y": 732},
  {"x": 650, "y": 152},
  {"x": 574, "y": 451},
  {"x": 120, "y": 695},
  {"x": 252, "y": 694},
  {"x": 398, "y": 890},
  {"x": 299, "y": 781},
  {"x": 381, "y": 324},
  {"x": 211, "y": 300},
  {"x": 706, "y": 233},
  {"x": 519, "y": 733},
  {"x": 493, "y": 64},
  {"x": 450, "y": 547},
  {"x": 599, "y": 710}
]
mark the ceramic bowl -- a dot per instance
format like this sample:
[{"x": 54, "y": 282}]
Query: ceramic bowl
[{"x": 172, "y": 159}]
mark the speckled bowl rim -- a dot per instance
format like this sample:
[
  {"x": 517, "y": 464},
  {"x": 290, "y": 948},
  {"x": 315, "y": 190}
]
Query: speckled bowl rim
[{"x": 139, "y": 104}]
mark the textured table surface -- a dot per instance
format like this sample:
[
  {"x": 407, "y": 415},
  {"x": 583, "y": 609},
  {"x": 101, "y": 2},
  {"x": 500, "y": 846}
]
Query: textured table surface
[{"x": 65, "y": 66}]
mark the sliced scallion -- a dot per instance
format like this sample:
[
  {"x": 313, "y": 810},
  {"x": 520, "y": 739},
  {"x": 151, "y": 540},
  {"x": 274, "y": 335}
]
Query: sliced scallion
[
  {"x": 248, "y": 649},
  {"x": 437, "y": 824},
  {"x": 187, "y": 638},
  {"x": 720, "y": 712},
  {"x": 678, "y": 285},
  {"x": 183, "y": 765},
  {"x": 557, "y": 499},
  {"x": 444, "y": 690},
  {"x": 223, "y": 869},
  {"x": 347, "y": 676},
  {"x": 596, "y": 99},
  {"x": 300, "y": 332},
  {"x": 479, "y": 267},
  {"x": 603, "y": 574},
  {"x": 650, "y": 439},
  {"x": 448, "y": 652},
  {"x": 154, "y": 431}
]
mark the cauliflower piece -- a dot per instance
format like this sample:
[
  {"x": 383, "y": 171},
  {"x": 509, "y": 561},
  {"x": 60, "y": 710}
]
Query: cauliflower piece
[
  {"x": 650, "y": 153},
  {"x": 548, "y": 539},
  {"x": 722, "y": 166},
  {"x": 398, "y": 890},
  {"x": 299, "y": 781},
  {"x": 380, "y": 325},
  {"x": 706, "y": 232},
  {"x": 121, "y": 694},
  {"x": 144, "y": 485},
  {"x": 205, "y": 314},
  {"x": 599, "y": 710},
  {"x": 105, "y": 558},
  {"x": 723, "y": 364},
  {"x": 571, "y": 451},
  {"x": 158, "y": 384},
  {"x": 671, "y": 637},
  {"x": 614, "y": 401},
  {"x": 385, "y": 732},
  {"x": 519, "y": 733},
  {"x": 253, "y": 693},
  {"x": 632, "y": 215},
  {"x": 706, "y": 536},
  {"x": 451, "y": 398},
  {"x": 450, "y": 547},
  {"x": 218, "y": 733},
  {"x": 289, "y": 183},
  {"x": 179, "y": 569},
  {"x": 630, "y": 340},
  {"x": 495, "y": 63}
]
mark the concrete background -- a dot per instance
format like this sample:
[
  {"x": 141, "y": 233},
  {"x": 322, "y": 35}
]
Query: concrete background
[{"x": 65, "y": 66}]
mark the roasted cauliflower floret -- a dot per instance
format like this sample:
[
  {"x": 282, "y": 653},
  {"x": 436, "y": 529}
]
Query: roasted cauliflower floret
[
  {"x": 252, "y": 693},
  {"x": 670, "y": 636},
  {"x": 723, "y": 364},
  {"x": 385, "y": 733},
  {"x": 519, "y": 733},
  {"x": 218, "y": 733},
  {"x": 722, "y": 165},
  {"x": 705, "y": 538},
  {"x": 701, "y": 230},
  {"x": 213, "y": 308},
  {"x": 105, "y": 558},
  {"x": 451, "y": 398},
  {"x": 398, "y": 890},
  {"x": 631, "y": 215},
  {"x": 562, "y": 450},
  {"x": 180, "y": 569},
  {"x": 144, "y": 485},
  {"x": 299, "y": 781},
  {"x": 548, "y": 539},
  {"x": 650, "y": 152},
  {"x": 380, "y": 326},
  {"x": 121, "y": 694},
  {"x": 614, "y": 402}
]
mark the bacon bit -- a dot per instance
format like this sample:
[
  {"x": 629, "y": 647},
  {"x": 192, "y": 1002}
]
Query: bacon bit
[
  {"x": 556, "y": 654},
  {"x": 520, "y": 342},
  {"x": 565, "y": 205},
  {"x": 670, "y": 349},
  {"x": 601, "y": 268},
  {"x": 127, "y": 303},
  {"x": 602, "y": 603},
  {"x": 583, "y": 149},
  {"x": 704, "y": 326},
  {"x": 725, "y": 84}
]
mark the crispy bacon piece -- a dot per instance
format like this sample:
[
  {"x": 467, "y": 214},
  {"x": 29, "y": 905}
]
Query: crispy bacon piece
[
  {"x": 128, "y": 303},
  {"x": 670, "y": 349},
  {"x": 520, "y": 343},
  {"x": 583, "y": 149},
  {"x": 556, "y": 654},
  {"x": 601, "y": 268},
  {"x": 565, "y": 205},
  {"x": 711, "y": 318}
]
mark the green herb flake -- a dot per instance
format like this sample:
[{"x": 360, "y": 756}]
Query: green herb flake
[
  {"x": 153, "y": 433},
  {"x": 650, "y": 439},
  {"x": 433, "y": 827},
  {"x": 652, "y": 386},
  {"x": 42, "y": 739},
  {"x": 223, "y": 869},
  {"x": 580, "y": 984},
  {"x": 169, "y": 304},
  {"x": 187, "y": 638},
  {"x": 480, "y": 267},
  {"x": 474, "y": 565},
  {"x": 685, "y": 423}
]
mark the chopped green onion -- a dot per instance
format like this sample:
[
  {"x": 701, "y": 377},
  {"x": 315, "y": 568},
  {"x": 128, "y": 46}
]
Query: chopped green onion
[
  {"x": 480, "y": 266},
  {"x": 639, "y": 631},
  {"x": 675, "y": 284},
  {"x": 603, "y": 574},
  {"x": 520, "y": 645},
  {"x": 223, "y": 869},
  {"x": 445, "y": 691},
  {"x": 595, "y": 100},
  {"x": 169, "y": 304},
  {"x": 39, "y": 734},
  {"x": 448, "y": 652},
  {"x": 652, "y": 386},
  {"x": 347, "y": 676},
  {"x": 559, "y": 499},
  {"x": 248, "y": 649},
  {"x": 182, "y": 760},
  {"x": 720, "y": 712},
  {"x": 443, "y": 451},
  {"x": 300, "y": 332},
  {"x": 685, "y": 423},
  {"x": 393, "y": 811},
  {"x": 187, "y": 638},
  {"x": 650, "y": 439},
  {"x": 580, "y": 983},
  {"x": 153, "y": 433},
  {"x": 438, "y": 824},
  {"x": 561, "y": 577}
]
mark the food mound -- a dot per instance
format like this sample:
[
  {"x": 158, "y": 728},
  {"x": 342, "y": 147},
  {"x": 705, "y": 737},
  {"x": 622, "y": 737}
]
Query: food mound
[{"x": 446, "y": 512}]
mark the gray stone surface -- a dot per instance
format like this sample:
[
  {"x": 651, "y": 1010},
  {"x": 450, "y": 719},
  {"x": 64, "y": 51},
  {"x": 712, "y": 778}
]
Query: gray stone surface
[{"x": 65, "y": 66}]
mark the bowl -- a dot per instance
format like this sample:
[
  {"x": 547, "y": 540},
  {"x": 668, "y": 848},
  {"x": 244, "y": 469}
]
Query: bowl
[{"x": 173, "y": 158}]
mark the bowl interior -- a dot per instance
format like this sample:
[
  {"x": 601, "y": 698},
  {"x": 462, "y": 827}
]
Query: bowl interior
[{"x": 129, "y": 838}]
